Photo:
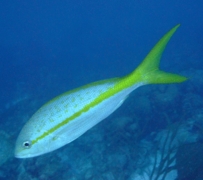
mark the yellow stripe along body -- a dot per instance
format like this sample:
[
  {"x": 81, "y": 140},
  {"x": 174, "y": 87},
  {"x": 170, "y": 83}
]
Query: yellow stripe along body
[{"x": 72, "y": 106}]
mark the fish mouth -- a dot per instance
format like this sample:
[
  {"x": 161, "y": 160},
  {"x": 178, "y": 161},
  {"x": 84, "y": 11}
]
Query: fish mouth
[
  {"x": 22, "y": 156},
  {"x": 19, "y": 154}
]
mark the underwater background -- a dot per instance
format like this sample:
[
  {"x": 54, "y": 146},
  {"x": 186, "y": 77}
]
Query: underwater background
[{"x": 49, "y": 47}]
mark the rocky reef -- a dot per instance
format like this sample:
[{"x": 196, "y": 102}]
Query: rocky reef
[{"x": 156, "y": 135}]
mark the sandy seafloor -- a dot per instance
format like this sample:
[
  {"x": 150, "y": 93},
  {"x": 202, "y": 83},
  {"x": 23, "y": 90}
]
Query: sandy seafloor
[{"x": 49, "y": 47}]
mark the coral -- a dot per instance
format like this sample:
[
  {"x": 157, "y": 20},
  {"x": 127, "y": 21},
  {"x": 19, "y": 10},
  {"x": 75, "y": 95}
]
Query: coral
[{"x": 159, "y": 159}]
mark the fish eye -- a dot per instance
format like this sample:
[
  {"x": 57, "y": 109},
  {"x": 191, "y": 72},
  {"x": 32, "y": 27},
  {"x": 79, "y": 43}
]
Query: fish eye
[{"x": 27, "y": 144}]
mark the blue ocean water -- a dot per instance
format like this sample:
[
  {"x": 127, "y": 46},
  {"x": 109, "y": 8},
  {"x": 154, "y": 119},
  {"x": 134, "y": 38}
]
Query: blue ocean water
[{"x": 49, "y": 47}]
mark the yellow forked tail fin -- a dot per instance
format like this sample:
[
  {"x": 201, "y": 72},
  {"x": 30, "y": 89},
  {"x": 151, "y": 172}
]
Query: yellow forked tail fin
[{"x": 148, "y": 71}]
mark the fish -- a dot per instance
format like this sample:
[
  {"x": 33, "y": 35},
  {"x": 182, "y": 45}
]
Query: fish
[{"x": 69, "y": 115}]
